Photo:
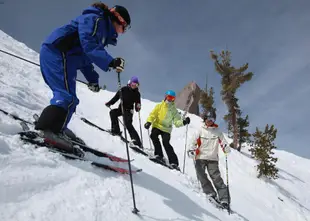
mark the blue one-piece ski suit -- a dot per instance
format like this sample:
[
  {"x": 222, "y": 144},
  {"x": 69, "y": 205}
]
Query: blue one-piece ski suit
[{"x": 73, "y": 47}]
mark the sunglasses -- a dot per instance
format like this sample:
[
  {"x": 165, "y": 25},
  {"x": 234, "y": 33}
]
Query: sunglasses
[
  {"x": 120, "y": 20},
  {"x": 170, "y": 98}
]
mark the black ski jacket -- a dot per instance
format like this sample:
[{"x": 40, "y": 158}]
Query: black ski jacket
[{"x": 130, "y": 96}]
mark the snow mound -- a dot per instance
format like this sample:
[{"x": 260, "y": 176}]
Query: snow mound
[{"x": 39, "y": 185}]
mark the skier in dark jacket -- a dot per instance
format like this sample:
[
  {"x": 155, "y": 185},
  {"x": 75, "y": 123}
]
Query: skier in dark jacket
[
  {"x": 131, "y": 99},
  {"x": 75, "y": 46}
]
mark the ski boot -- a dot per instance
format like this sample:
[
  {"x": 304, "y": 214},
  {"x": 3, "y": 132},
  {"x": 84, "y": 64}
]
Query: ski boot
[
  {"x": 137, "y": 144},
  {"x": 158, "y": 158},
  {"x": 175, "y": 167},
  {"x": 61, "y": 142},
  {"x": 71, "y": 136},
  {"x": 224, "y": 204},
  {"x": 115, "y": 133}
]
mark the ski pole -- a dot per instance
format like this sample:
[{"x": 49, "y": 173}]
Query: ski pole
[
  {"x": 183, "y": 117},
  {"x": 15, "y": 117},
  {"x": 36, "y": 64},
  {"x": 227, "y": 183},
  {"x": 148, "y": 131},
  {"x": 140, "y": 128},
  {"x": 185, "y": 148},
  {"x": 135, "y": 210},
  {"x": 13, "y": 55},
  {"x": 193, "y": 153}
]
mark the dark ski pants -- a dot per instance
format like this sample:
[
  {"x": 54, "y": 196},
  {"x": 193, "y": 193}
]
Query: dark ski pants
[
  {"x": 114, "y": 114},
  {"x": 173, "y": 159},
  {"x": 59, "y": 72},
  {"x": 215, "y": 175}
]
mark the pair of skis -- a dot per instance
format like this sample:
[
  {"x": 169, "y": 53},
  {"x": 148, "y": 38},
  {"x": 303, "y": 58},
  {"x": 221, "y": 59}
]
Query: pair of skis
[
  {"x": 132, "y": 146},
  {"x": 219, "y": 206},
  {"x": 216, "y": 203},
  {"x": 80, "y": 151}
]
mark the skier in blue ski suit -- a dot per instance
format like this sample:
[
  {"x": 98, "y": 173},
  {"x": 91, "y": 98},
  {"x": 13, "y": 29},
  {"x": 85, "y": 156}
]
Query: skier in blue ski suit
[{"x": 75, "y": 46}]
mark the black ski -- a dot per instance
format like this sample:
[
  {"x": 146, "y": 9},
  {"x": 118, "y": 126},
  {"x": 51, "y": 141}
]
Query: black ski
[
  {"x": 137, "y": 149},
  {"x": 162, "y": 163},
  {"x": 24, "y": 126},
  {"x": 131, "y": 145},
  {"x": 99, "y": 153},
  {"x": 105, "y": 130},
  {"x": 218, "y": 205},
  {"x": 76, "y": 154},
  {"x": 33, "y": 138},
  {"x": 81, "y": 145},
  {"x": 68, "y": 133},
  {"x": 15, "y": 117}
]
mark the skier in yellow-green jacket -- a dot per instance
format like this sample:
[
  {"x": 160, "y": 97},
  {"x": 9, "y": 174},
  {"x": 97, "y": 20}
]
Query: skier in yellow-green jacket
[{"x": 162, "y": 117}]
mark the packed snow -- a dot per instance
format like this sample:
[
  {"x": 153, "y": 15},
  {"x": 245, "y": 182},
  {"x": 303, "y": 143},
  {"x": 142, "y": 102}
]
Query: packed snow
[{"x": 36, "y": 184}]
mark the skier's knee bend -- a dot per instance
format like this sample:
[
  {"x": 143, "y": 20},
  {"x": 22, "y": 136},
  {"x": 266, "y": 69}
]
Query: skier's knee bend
[
  {"x": 154, "y": 136},
  {"x": 166, "y": 142},
  {"x": 129, "y": 125}
]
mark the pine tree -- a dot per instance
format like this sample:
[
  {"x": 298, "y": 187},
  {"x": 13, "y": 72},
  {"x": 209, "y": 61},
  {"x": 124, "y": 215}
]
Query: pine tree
[
  {"x": 227, "y": 117},
  {"x": 232, "y": 79},
  {"x": 244, "y": 135},
  {"x": 263, "y": 151},
  {"x": 207, "y": 101}
]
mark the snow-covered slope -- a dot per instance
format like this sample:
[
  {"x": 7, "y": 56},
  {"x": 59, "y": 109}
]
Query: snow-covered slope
[{"x": 38, "y": 185}]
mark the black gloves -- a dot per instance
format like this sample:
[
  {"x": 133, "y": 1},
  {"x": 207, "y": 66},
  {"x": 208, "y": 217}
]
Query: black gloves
[
  {"x": 147, "y": 125},
  {"x": 186, "y": 121},
  {"x": 107, "y": 104},
  {"x": 94, "y": 87},
  {"x": 138, "y": 107},
  {"x": 118, "y": 64}
]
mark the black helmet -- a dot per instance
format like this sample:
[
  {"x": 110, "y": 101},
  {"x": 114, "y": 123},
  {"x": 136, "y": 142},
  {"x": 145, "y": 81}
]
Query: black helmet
[
  {"x": 122, "y": 11},
  {"x": 209, "y": 115}
]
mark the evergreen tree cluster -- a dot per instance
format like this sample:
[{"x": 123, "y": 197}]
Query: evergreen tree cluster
[
  {"x": 232, "y": 79},
  {"x": 207, "y": 101},
  {"x": 263, "y": 152},
  {"x": 261, "y": 142}
]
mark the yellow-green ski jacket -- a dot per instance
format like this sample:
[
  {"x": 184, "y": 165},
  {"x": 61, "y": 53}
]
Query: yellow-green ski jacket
[{"x": 164, "y": 115}]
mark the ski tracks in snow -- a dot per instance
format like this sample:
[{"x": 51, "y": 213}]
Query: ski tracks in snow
[{"x": 39, "y": 185}]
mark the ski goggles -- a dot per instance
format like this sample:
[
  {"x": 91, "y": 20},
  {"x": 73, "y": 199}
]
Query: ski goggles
[
  {"x": 120, "y": 19},
  {"x": 133, "y": 84},
  {"x": 210, "y": 119},
  {"x": 170, "y": 98}
]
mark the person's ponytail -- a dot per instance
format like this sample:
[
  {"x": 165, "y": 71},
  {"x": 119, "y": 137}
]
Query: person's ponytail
[{"x": 100, "y": 5}]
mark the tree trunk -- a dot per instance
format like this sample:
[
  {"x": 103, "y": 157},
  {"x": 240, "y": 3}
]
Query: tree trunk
[
  {"x": 235, "y": 127},
  {"x": 240, "y": 143}
]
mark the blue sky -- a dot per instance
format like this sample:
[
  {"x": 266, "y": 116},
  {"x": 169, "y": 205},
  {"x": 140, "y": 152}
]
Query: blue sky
[{"x": 169, "y": 43}]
